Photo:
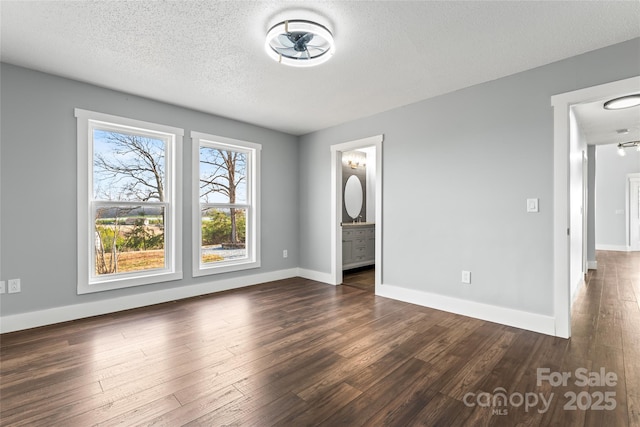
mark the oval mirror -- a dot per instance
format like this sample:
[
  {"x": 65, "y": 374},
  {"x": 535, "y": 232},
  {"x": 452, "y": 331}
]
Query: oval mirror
[{"x": 353, "y": 196}]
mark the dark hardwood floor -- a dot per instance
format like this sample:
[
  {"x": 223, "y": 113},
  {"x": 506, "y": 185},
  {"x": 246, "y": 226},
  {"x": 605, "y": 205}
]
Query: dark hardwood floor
[
  {"x": 361, "y": 278},
  {"x": 297, "y": 352}
]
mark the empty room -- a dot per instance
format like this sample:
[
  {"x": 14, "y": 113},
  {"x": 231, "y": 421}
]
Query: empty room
[{"x": 319, "y": 213}]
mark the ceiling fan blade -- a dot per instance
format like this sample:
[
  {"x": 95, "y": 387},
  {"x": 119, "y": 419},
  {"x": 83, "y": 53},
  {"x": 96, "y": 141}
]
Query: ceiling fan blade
[
  {"x": 315, "y": 51},
  {"x": 284, "y": 40},
  {"x": 307, "y": 38},
  {"x": 286, "y": 51}
]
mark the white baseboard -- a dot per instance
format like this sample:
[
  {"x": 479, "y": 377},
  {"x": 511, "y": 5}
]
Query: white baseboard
[
  {"x": 592, "y": 265},
  {"x": 33, "y": 319},
  {"x": 520, "y": 319},
  {"x": 617, "y": 248},
  {"x": 505, "y": 316},
  {"x": 316, "y": 275}
]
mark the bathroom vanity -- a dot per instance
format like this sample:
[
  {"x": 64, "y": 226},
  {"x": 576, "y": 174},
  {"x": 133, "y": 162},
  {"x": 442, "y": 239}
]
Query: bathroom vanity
[{"x": 358, "y": 244}]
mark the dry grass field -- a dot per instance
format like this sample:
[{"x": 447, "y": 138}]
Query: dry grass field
[{"x": 147, "y": 260}]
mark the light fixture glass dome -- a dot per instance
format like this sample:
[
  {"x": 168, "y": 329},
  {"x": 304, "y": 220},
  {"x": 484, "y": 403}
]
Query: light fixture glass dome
[
  {"x": 299, "y": 43},
  {"x": 623, "y": 102}
]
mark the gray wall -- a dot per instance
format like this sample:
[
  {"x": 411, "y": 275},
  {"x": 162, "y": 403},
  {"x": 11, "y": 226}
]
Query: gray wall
[
  {"x": 611, "y": 177},
  {"x": 457, "y": 171},
  {"x": 38, "y": 185}
]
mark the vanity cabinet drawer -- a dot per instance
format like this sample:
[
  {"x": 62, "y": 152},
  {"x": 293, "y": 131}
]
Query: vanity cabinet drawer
[
  {"x": 359, "y": 251},
  {"x": 358, "y": 246}
]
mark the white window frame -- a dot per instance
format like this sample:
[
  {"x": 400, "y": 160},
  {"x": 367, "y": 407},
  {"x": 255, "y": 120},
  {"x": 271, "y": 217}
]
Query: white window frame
[
  {"x": 87, "y": 280},
  {"x": 252, "y": 204}
]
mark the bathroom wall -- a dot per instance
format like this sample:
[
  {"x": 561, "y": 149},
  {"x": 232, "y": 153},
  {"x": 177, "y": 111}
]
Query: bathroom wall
[{"x": 361, "y": 172}]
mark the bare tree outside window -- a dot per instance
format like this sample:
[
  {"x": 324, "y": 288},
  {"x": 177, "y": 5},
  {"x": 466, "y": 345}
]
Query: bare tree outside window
[
  {"x": 129, "y": 185},
  {"x": 223, "y": 191},
  {"x": 128, "y": 167}
]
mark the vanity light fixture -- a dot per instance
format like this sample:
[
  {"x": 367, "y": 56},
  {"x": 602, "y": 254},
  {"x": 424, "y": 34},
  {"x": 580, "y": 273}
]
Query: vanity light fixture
[
  {"x": 299, "y": 43},
  {"x": 354, "y": 159},
  {"x": 354, "y": 165},
  {"x": 627, "y": 101},
  {"x": 621, "y": 147}
]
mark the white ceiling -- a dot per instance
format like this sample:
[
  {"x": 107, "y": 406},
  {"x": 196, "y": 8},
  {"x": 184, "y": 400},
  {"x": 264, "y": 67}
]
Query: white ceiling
[
  {"x": 600, "y": 126},
  {"x": 209, "y": 56}
]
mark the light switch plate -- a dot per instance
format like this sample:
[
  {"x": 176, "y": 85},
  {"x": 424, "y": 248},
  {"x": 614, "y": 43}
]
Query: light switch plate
[
  {"x": 3, "y": 286},
  {"x": 466, "y": 276},
  {"x": 532, "y": 205}
]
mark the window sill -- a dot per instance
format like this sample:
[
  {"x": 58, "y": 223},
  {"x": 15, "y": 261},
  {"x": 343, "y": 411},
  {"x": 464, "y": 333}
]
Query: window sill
[
  {"x": 127, "y": 282},
  {"x": 199, "y": 271}
]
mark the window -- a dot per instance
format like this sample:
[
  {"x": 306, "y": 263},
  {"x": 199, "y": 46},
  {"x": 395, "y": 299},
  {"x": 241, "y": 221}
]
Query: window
[
  {"x": 226, "y": 214},
  {"x": 129, "y": 211}
]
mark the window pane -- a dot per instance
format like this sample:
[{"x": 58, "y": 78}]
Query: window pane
[
  {"x": 223, "y": 176},
  {"x": 129, "y": 239},
  {"x": 223, "y": 234},
  {"x": 128, "y": 167}
]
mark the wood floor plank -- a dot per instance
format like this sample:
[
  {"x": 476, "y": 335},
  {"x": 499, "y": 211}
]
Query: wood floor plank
[
  {"x": 442, "y": 410},
  {"x": 611, "y": 360},
  {"x": 381, "y": 394},
  {"x": 322, "y": 406},
  {"x": 473, "y": 373},
  {"x": 139, "y": 415},
  {"x": 195, "y": 408}
]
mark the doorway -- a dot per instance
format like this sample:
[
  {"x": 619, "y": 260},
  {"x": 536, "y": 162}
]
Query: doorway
[
  {"x": 362, "y": 278},
  {"x": 566, "y": 249},
  {"x": 374, "y": 144}
]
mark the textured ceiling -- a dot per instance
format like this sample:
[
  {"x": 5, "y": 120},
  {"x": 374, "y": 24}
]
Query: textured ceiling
[{"x": 208, "y": 55}]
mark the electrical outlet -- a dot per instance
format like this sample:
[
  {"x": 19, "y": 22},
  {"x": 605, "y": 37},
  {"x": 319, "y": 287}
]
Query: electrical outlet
[
  {"x": 466, "y": 276},
  {"x": 285, "y": 253},
  {"x": 3, "y": 287},
  {"x": 14, "y": 286}
]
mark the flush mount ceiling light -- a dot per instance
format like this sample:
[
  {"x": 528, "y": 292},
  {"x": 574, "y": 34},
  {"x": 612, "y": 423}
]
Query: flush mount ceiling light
[
  {"x": 299, "y": 43},
  {"x": 623, "y": 102},
  {"x": 630, "y": 144}
]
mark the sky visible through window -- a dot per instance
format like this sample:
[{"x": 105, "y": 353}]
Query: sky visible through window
[
  {"x": 217, "y": 167},
  {"x": 128, "y": 167}
]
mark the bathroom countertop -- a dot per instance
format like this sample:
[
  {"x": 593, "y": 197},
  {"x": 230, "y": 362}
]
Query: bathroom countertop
[{"x": 357, "y": 224}]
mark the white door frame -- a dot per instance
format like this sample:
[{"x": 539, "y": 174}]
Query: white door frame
[
  {"x": 561, "y": 250},
  {"x": 631, "y": 178},
  {"x": 336, "y": 205},
  {"x": 585, "y": 211}
]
